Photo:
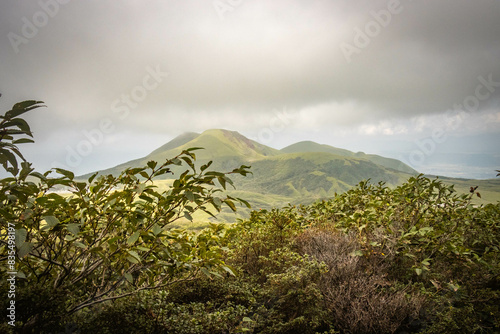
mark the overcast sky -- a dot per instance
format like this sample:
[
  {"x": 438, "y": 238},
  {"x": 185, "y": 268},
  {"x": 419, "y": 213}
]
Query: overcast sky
[{"x": 414, "y": 80}]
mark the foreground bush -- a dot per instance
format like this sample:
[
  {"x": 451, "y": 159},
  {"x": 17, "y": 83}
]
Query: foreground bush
[
  {"x": 373, "y": 260},
  {"x": 105, "y": 238}
]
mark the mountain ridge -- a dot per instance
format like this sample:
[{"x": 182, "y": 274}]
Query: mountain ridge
[
  {"x": 230, "y": 148},
  {"x": 310, "y": 146},
  {"x": 304, "y": 169},
  {"x": 300, "y": 173}
]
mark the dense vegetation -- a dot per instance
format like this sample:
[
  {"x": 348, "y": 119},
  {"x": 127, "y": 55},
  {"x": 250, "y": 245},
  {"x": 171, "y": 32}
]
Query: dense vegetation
[{"x": 375, "y": 259}]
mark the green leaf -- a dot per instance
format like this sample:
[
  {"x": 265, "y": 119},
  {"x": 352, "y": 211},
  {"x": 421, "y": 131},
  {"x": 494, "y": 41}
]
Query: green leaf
[
  {"x": 418, "y": 271},
  {"x": 21, "y": 124},
  {"x": 8, "y": 156},
  {"x": 216, "y": 274},
  {"x": 205, "y": 271},
  {"x": 22, "y": 107},
  {"x": 113, "y": 240},
  {"x": 189, "y": 162},
  {"x": 146, "y": 198},
  {"x": 25, "y": 249},
  {"x": 230, "y": 204},
  {"x": 244, "y": 202},
  {"x": 128, "y": 277},
  {"x": 92, "y": 177},
  {"x": 204, "y": 167},
  {"x": 23, "y": 141},
  {"x": 194, "y": 149},
  {"x": 189, "y": 195},
  {"x": 228, "y": 270},
  {"x": 132, "y": 259},
  {"x": 217, "y": 202},
  {"x": 426, "y": 262},
  {"x": 134, "y": 255},
  {"x": 152, "y": 164},
  {"x": 66, "y": 173},
  {"x": 222, "y": 181},
  {"x": 50, "y": 222},
  {"x": 38, "y": 175},
  {"x": 79, "y": 244},
  {"x": 133, "y": 238},
  {"x": 188, "y": 216},
  {"x": 20, "y": 237},
  {"x": 176, "y": 162},
  {"x": 157, "y": 229},
  {"x": 73, "y": 228}
]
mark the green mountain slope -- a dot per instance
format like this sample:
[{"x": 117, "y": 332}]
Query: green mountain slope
[
  {"x": 227, "y": 149},
  {"x": 220, "y": 144},
  {"x": 176, "y": 142},
  {"x": 309, "y": 146},
  {"x": 312, "y": 175},
  {"x": 300, "y": 173}
]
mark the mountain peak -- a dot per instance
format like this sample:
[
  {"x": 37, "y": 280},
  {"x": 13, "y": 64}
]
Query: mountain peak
[
  {"x": 234, "y": 143},
  {"x": 229, "y": 149},
  {"x": 180, "y": 140},
  {"x": 214, "y": 131}
]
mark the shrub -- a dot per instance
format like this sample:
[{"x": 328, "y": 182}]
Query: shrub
[
  {"x": 359, "y": 297},
  {"x": 107, "y": 237}
]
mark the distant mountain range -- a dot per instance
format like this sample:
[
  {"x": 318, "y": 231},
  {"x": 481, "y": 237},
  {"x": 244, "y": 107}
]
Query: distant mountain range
[
  {"x": 230, "y": 148},
  {"x": 299, "y": 173}
]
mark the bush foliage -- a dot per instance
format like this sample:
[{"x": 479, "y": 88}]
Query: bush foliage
[{"x": 98, "y": 255}]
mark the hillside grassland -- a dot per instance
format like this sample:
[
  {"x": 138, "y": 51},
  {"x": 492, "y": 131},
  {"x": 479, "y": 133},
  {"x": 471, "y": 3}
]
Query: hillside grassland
[
  {"x": 301, "y": 173},
  {"x": 489, "y": 190}
]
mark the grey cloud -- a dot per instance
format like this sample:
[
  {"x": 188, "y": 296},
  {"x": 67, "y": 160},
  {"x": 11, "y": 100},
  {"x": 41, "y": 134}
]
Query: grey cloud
[{"x": 234, "y": 72}]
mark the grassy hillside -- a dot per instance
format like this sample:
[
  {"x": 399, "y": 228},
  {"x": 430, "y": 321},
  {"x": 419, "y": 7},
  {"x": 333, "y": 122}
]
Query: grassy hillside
[
  {"x": 176, "y": 142},
  {"x": 299, "y": 174},
  {"x": 228, "y": 150},
  {"x": 309, "y": 146},
  {"x": 314, "y": 175},
  {"x": 488, "y": 189},
  {"x": 298, "y": 164}
]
